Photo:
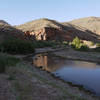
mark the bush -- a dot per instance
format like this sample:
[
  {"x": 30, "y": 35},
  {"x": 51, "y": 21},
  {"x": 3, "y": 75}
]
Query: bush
[
  {"x": 96, "y": 49},
  {"x": 83, "y": 48},
  {"x": 6, "y": 61},
  {"x": 92, "y": 43},
  {"x": 76, "y": 44},
  {"x": 65, "y": 43},
  {"x": 98, "y": 44},
  {"x": 17, "y": 46},
  {"x": 41, "y": 44}
]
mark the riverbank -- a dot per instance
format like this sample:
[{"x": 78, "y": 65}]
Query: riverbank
[
  {"x": 26, "y": 82},
  {"x": 72, "y": 54}
]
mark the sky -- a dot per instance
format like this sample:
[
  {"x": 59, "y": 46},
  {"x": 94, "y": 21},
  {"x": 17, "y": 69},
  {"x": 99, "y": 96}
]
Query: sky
[{"x": 17, "y": 12}]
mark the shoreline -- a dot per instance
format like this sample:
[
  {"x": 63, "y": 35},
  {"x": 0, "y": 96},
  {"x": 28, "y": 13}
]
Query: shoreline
[{"x": 27, "y": 78}]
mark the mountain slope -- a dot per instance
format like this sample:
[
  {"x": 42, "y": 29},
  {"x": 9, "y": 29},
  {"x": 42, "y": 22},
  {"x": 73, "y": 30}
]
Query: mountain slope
[
  {"x": 56, "y": 30},
  {"x": 91, "y": 23},
  {"x": 40, "y": 23},
  {"x": 6, "y": 31}
]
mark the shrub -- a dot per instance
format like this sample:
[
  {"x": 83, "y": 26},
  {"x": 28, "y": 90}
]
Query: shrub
[
  {"x": 83, "y": 48},
  {"x": 41, "y": 44},
  {"x": 17, "y": 46},
  {"x": 98, "y": 44},
  {"x": 96, "y": 49},
  {"x": 92, "y": 43},
  {"x": 65, "y": 43},
  {"x": 76, "y": 44}
]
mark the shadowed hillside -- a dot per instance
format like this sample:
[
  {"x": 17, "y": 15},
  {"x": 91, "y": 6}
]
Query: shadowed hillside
[
  {"x": 6, "y": 31},
  {"x": 91, "y": 23}
]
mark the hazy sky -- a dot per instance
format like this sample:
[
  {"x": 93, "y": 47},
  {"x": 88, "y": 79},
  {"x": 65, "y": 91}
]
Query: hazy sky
[{"x": 21, "y": 11}]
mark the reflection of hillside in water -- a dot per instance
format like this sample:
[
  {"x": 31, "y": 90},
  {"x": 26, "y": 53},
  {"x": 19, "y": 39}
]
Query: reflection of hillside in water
[
  {"x": 85, "y": 64},
  {"x": 48, "y": 63},
  {"x": 51, "y": 63}
]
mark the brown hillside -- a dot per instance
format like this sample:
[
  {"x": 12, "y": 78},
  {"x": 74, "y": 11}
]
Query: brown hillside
[
  {"x": 7, "y": 31},
  {"x": 50, "y": 29},
  {"x": 39, "y": 24},
  {"x": 91, "y": 23}
]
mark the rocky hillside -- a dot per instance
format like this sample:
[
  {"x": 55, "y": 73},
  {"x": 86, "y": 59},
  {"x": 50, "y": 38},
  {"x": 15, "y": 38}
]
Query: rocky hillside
[
  {"x": 91, "y": 23},
  {"x": 45, "y": 29},
  {"x": 6, "y": 31}
]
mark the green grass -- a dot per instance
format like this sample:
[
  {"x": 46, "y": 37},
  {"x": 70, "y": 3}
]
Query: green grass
[{"x": 6, "y": 61}]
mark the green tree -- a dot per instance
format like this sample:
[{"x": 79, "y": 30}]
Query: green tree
[{"x": 76, "y": 43}]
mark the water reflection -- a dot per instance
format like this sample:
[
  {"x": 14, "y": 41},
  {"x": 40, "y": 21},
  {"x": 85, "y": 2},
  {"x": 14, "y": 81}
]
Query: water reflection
[
  {"x": 77, "y": 72},
  {"x": 48, "y": 62},
  {"x": 52, "y": 63}
]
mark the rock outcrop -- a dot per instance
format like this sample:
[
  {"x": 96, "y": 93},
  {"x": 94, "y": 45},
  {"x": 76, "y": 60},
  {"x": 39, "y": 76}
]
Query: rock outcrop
[{"x": 48, "y": 33}]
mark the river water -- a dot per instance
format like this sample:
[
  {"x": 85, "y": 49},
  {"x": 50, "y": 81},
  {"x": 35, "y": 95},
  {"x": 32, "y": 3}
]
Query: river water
[{"x": 82, "y": 73}]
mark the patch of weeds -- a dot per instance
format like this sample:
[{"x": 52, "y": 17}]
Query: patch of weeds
[
  {"x": 11, "y": 77},
  {"x": 6, "y": 61}
]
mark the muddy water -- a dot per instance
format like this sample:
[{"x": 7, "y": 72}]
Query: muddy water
[{"x": 82, "y": 73}]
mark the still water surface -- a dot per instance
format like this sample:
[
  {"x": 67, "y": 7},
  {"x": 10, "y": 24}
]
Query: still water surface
[{"x": 82, "y": 73}]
